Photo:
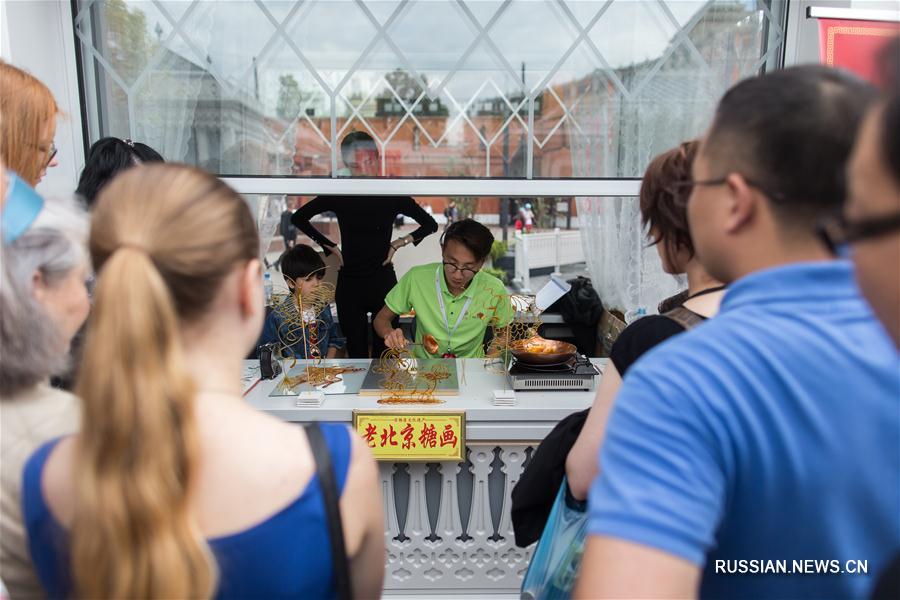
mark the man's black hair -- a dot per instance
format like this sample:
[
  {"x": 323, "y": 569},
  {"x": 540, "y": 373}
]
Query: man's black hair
[
  {"x": 890, "y": 133},
  {"x": 300, "y": 262},
  {"x": 107, "y": 157},
  {"x": 471, "y": 234},
  {"x": 790, "y": 133},
  {"x": 887, "y": 64},
  {"x": 352, "y": 141}
]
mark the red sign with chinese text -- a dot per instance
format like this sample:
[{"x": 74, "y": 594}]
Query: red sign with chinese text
[{"x": 393, "y": 436}]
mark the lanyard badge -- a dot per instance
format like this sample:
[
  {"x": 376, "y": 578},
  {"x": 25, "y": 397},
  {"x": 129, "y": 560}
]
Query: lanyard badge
[{"x": 440, "y": 296}]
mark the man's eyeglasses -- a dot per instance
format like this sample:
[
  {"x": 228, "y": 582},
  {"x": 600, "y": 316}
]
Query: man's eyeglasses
[
  {"x": 837, "y": 232},
  {"x": 683, "y": 188},
  {"x": 453, "y": 268}
]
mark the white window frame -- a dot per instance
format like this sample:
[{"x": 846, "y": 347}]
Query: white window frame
[{"x": 516, "y": 188}]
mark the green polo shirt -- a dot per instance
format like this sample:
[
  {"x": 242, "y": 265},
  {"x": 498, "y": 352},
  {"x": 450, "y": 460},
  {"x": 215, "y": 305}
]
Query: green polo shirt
[{"x": 416, "y": 291}]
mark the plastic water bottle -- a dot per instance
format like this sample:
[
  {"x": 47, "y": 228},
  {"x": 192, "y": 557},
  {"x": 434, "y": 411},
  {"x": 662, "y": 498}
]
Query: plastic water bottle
[{"x": 267, "y": 287}]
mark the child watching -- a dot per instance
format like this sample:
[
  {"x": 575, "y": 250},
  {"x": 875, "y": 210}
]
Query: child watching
[{"x": 303, "y": 270}]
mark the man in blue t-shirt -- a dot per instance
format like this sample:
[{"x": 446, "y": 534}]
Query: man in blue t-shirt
[{"x": 759, "y": 455}]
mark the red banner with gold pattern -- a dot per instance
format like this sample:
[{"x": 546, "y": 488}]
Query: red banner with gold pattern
[{"x": 854, "y": 45}]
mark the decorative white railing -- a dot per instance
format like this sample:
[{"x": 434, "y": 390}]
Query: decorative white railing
[
  {"x": 541, "y": 250},
  {"x": 448, "y": 527}
]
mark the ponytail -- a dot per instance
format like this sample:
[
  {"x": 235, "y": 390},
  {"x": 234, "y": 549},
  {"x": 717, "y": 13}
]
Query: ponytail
[{"x": 137, "y": 456}]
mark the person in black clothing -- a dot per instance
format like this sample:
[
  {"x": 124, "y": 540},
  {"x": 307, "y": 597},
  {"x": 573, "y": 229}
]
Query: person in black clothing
[
  {"x": 367, "y": 271},
  {"x": 288, "y": 232},
  {"x": 571, "y": 448},
  {"x": 287, "y": 229}
]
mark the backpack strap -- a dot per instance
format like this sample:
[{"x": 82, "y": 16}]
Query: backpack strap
[
  {"x": 684, "y": 317},
  {"x": 330, "y": 497},
  {"x": 673, "y": 302}
]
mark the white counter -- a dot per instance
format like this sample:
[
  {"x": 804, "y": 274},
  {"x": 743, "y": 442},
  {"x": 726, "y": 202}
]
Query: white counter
[
  {"x": 530, "y": 420},
  {"x": 447, "y": 525}
]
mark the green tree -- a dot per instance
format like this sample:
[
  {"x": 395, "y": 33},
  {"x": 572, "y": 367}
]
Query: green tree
[
  {"x": 128, "y": 44},
  {"x": 290, "y": 98}
]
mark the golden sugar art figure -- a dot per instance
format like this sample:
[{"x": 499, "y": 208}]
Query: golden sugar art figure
[
  {"x": 300, "y": 324},
  {"x": 402, "y": 382},
  {"x": 525, "y": 324}
]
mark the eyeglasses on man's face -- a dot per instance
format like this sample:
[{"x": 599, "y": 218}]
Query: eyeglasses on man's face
[
  {"x": 838, "y": 232},
  {"x": 454, "y": 268},
  {"x": 685, "y": 187}
]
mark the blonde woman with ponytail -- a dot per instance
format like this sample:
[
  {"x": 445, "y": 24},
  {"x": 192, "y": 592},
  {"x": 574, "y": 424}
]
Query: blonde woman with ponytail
[{"x": 175, "y": 487}]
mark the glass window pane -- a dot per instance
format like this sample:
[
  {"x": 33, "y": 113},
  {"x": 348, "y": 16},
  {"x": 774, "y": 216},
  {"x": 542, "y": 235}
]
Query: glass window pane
[{"x": 445, "y": 88}]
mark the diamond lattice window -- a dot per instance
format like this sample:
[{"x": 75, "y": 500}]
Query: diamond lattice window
[{"x": 456, "y": 88}]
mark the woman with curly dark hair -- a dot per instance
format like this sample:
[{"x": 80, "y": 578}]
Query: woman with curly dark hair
[
  {"x": 663, "y": 200},
  {"x": 664, "y": 192}
]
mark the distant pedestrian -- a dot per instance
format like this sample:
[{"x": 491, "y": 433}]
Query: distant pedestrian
[
  {"x": 451, "y": 213},
  {"x": 525, "y": 219},
  {"x": 287, "y": 229}
]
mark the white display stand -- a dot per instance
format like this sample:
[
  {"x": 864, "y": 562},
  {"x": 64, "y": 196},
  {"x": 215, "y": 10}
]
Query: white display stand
[{"x": 447, "y": 525}]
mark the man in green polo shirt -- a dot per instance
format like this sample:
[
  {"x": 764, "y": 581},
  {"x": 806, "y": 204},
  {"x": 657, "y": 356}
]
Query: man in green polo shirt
[{"x": 454, "y": 301}]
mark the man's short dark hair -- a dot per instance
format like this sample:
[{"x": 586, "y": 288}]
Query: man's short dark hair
[
  {"x": 790, "y": 133},
  {"x": 890, "y": 133},
  {"x": 300, "y": 262},
  {"x": 354, "y": 140},
  {"x": 887, "y": 64},
  {"x": 471, "y": 234}
]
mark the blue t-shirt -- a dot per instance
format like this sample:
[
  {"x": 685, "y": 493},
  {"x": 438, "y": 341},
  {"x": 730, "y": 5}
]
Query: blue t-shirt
[
  {"x": 299, "y": 343},
  {"x": 285, "y": 556},
  {"x": 771, "y": 432}
]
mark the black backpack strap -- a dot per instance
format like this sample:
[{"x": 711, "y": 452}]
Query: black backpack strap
[
  {"x": 684, "y": 317},
  {"x": 673, "y": 302},
  {"x": 330, "y": 497}
]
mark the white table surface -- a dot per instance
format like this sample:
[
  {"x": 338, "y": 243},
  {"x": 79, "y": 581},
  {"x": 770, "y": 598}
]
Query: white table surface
[{"x": 535, "y": 413}]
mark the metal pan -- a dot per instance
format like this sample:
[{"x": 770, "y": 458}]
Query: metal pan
[{"x": 561, "y": 352}]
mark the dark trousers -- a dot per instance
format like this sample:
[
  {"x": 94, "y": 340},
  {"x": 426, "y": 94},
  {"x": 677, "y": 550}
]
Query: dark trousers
[{"x": 357, "y": 295}]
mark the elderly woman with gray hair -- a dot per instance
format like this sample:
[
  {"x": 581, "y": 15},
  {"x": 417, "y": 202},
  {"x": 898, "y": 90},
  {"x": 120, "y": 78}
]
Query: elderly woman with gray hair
[{"x": 43, "y": 302}]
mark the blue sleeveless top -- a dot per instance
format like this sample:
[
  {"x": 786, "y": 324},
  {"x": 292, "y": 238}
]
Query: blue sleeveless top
[{"x": 286, "y": 555}]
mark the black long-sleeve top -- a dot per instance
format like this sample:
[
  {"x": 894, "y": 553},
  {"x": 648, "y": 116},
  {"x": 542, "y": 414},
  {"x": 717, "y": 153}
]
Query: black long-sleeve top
[{"x": 366, "y": 224}]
